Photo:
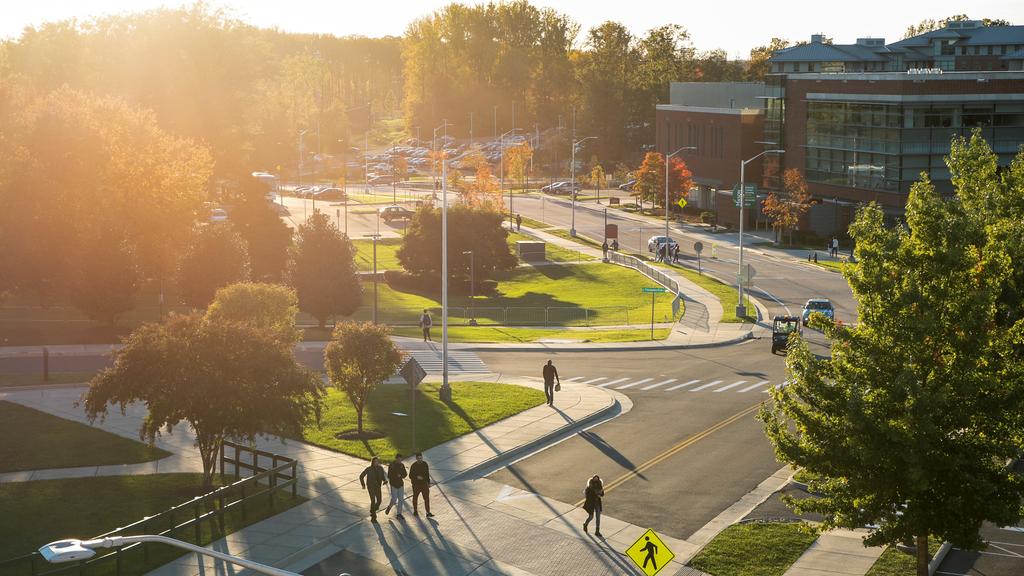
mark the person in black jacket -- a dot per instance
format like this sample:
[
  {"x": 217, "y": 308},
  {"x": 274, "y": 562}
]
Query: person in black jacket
[
  {"x": 372, "y": 479},
  {"x": 592, "y": 502},
  {"x": 396, "y": 481},
  {"x": 550, "y": 374},
  {"x": 419, "y": 474}
]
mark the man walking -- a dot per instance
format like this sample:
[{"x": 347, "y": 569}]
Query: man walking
[
  {"x": 372, "y": 478},
  {"x": 396, "y": 481},
  {"x": 425, "y": 324},
  {"x": 419, "y": 473},
  {"x": 550, "y": 375},
  {"x": 835, "y": 247},
  {"x": 519, "y": 222}
]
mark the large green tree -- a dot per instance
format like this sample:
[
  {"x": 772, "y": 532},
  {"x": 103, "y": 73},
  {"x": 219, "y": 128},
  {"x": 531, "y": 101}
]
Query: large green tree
[
  {"x": 912, "y": 418},
  {"x": 267, "y": 237},
  {"x": 106, "y": 280},
  {"x": 322, "y": 270},
  {"x": 358, "y": 358},
  {"x": 469, "y": 228},
  {"x": 226, "y": 380},
  {"x": 214, "y": 257},
  {"x": 265, "y": 306}
]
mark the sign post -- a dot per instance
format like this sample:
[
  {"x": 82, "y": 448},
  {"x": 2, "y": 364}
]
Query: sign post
[
  {"x": 698, "y": 247},
  {"x": 413, "y": 374},
  {"x": 654, "y": 291}
]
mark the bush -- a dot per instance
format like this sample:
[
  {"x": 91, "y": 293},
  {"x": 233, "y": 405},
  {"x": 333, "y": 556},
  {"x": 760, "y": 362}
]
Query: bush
[{"x": 707, "y": 217}]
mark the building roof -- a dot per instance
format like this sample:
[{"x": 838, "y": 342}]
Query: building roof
[
  {"x": 980, "y": 36},
  {"x": 818, "y": 52}
]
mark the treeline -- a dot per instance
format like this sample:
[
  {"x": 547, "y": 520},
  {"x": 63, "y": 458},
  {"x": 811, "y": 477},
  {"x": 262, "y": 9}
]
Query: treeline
[{"x": 243, "y": 92}]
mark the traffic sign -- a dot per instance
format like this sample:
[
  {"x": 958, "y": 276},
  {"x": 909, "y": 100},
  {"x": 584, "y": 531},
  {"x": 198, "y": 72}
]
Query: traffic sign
[
  {"x": 649, "y": 553},
  {"x": 698, "y": 247},
  {"x": 413, "y": 372},
  {"x": 749, "y": 195},
  {"x": 656, "y": 289},
  {"x": 747, "y": 275},
  {"x": 682, "y": 203}
]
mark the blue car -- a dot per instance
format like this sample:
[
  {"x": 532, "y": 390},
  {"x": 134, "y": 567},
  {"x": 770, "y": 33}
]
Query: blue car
[{"x": 823, "y": 305}]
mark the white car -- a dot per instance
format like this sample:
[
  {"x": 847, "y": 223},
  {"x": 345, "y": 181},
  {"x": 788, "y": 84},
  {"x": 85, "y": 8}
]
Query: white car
[
  {"x": 218, "y": 215},
  {"x": 656, "y": 241}
]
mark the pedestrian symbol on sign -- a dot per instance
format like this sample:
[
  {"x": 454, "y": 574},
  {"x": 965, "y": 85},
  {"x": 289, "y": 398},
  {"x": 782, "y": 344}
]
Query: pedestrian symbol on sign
[{"x": 649, "y": 553}]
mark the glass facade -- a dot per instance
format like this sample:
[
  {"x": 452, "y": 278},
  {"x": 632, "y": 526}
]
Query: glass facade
[
  {"x": 774, "y": 120},
  {"x": 885, "y": 147}
]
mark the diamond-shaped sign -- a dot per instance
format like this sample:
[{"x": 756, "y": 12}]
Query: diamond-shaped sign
[
  {"x": 649, "y": 553},
  {"x": 413, "y": 372}
]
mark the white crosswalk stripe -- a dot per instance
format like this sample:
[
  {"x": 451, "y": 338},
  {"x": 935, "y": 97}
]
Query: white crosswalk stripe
[
  {"x": 733, "y": 385},
  {"x": 610, "y": 382},
  {"x": 708, "y": 385},
  {"x": 574, "y": 378},
  {"x": 662, "y": 383},
  {"x": 595, "y": 380},
  {"x": 758, "y": 385},
  {"x": 683, "y": 385},
  {"x": 637, "y": 383},
  {"x": 459, "y": 361}
]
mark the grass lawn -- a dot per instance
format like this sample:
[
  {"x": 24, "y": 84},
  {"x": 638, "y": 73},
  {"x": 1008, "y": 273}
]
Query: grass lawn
[
  {"x": 36, "y": 378},
  {"x": 835, "y": 265},
  {"x": 387, "y": 254},
  {"x": 754, "y": 549},
  {"x": 474, "y": 405},
  {"x": 552, "y": 252},
  {"x": 563, "y": 233},
  {"x": 41, "y": 511},
  {"x": 611, "y": 292},
  {"x": 503, "y": 334},
  {"x": 726, "y": 294},
  {"x": 34, "y": 440},
  {"x": 535, "y": 223},
  {"x": 895, "y": 562}
]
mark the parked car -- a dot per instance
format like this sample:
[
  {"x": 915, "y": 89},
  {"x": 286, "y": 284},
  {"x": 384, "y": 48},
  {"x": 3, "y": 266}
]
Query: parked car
[
  {"x": 627, "y": 186},
  {"x": 329, "y": 194},
  {"x": 382, "y": 179},
  {"x": 823, "y": 305},
  {"x": 395, "y": 212},
  {"x": 562, "y": 188},
  {"x": 656, "y": 241},
  {"x": 218, "y": 215}
]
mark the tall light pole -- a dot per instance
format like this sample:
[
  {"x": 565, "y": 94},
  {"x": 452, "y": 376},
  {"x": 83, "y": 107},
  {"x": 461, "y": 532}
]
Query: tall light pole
[
  {"x": 501, "y": 152},
  {"x": 667, "y": 158},
  {"x": 433, "y": 148},
  {"x": 572, "y": 183},
  {"x": 445, "y": 392},
  {"x": 741, "y": 309},
  {"x": 374, "y": 236},
  {"x": 299, "y": 165},
  {"x": 472, "y": 285},
  {"x": 470, "y": 129},
  {"x": 394, "y": 174}
]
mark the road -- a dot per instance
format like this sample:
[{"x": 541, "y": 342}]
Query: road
[{"x": 691, "y": 433}]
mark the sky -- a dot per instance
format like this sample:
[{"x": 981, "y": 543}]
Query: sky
[{"x": 735, "y": 26}]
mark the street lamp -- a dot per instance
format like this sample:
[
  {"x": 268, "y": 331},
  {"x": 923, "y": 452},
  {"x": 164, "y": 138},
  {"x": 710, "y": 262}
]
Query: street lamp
[
  {"x": 299, "y": 170},
  {"x": 501, "y": 150},
  {"x": 741, "y": 309},
  {"x": 445, "y": 393},
  {"x": 472, "y": 285},
  {"x": 374, "y": 236},
  {"x": 572, "y": 183},
  {"x": 667, "y": 158},
  {"x": 433, "y": 149},
  {"x": 72, "y": 550}
]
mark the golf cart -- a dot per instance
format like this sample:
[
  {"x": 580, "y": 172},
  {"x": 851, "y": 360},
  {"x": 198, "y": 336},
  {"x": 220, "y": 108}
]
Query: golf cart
[{"x": 782, "y": 327}]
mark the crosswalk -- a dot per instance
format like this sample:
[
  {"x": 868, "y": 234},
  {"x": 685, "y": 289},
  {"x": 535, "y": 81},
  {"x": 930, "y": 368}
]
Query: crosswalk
[
  {"x": 713, "y": 385},
  {"x": 459, "y": 361}
]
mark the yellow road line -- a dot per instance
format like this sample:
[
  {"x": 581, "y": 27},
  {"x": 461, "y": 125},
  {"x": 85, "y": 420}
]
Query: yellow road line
[{"x": 674, "y": 449}]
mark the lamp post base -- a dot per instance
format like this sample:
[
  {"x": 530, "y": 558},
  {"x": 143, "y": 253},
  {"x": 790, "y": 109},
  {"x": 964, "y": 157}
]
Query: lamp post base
[
  {"x": 445, "y": 393},
  {"x": 572, "y": 232},
  {"x": 741, "y": 311}
]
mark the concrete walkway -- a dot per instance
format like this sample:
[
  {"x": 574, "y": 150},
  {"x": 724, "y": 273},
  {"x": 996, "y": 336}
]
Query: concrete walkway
[{"x": 836, "y": 553}]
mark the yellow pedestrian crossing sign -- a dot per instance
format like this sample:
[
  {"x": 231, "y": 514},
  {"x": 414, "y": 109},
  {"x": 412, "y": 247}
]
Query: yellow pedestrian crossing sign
[
  {"x": 649, "y": 553},
  {"x": 682, "y": 203}
]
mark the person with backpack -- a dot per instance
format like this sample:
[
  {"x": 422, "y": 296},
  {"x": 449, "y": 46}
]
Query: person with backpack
[
  {"x": 592, "y": 496},
  {"x": 372, "y": 479},
  {"x": 425, "y": 323},
  {"x": 396, "y": 481}
]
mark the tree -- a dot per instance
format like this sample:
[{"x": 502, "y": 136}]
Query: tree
[
  {"x": 928, "y": 25},
  {"x": 469, "y": 228},
  {"x": 758, "y": 66},
  {"x": 107, "y": 278},
  {"x": 786, "y": 209},
  {"x": 597, "y": 176},
  {"x": 517, "y": 159},
  {"x": 266, "y": 236},
  {"x": 680, "y": 181},
  {"x": 401, "y": 168},
  {"x": 484, "y": 192},
  {"x": 358, "y": 358},
  {"x": 910, "y": 421},
  {"x": 322, "y": 270},
  {"x": 215, "y": 257},
  {"x": 650, "y": 179},
  {"x": 223, "y": 379},
  {"x": 266, "y": 306}
]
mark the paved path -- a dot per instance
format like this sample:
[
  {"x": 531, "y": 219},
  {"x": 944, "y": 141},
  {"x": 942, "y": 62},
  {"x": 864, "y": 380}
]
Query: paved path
[{"x": 836, "y": 553}]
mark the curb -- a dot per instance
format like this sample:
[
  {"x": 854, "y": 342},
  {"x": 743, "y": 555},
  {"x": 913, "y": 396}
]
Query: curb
[
  {"x": 539, "y": 444},
  {"x": 592, "y": 348},
  {"x": 42, "y": 387},
  {"x": 940, "y": 555}
]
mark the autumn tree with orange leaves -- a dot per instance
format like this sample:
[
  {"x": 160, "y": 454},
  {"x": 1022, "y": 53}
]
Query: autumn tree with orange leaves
[{"x": 785, "y": 209}]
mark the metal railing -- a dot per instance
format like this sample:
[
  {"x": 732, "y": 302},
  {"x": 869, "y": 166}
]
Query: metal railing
[
  {"x": 198, "y": 521},
  {"x": 644, "y": 268}
]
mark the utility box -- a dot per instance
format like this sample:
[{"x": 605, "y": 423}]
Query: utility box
[
  {"x": 613, "y": 200},
  {"x": 530, "y": 250}
]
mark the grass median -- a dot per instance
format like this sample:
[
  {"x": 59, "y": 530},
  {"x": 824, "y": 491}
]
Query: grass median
[
  {"x": 725, "y": 293},
  {"x": 754, "y": 549},
  {"x": 387, "y": 254},
  {"x": 552, "y": 252},
  {"x": 35, "y": 440},
  {"x": 484, "y": 334},
  {"x": 896, "y": 562},
  {"x": 389, "y": 410}
]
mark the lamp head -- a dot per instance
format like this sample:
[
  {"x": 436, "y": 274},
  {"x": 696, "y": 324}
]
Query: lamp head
[{"x": 66, "y": 551}]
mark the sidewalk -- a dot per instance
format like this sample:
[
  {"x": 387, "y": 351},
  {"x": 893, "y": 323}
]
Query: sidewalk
[
  {"x": 481, "y": 527},
  {"x": 836, "y": 553}
]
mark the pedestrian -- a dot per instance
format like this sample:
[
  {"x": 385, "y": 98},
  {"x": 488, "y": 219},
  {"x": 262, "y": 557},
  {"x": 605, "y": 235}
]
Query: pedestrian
[
  {"x": 604, "y": 249},
  {"x": 396, "y": 481},
  {"x": 615, "y": 244},
  {"x": 372, "y": 478},
  {"x": 675, "y": 255},
  {"x": 519, "y": 222},
  {"x": 425, "y": 324},
  {"x": 592, "y": 503},
  {"x": 815, "y": 257},
  {"x": 550, "y": 375},
  {"x": 419, "y": 474},
  {"x": 835, "y": 247}
]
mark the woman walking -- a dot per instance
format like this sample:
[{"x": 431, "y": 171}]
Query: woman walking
[{"x": 592, "y": 503}]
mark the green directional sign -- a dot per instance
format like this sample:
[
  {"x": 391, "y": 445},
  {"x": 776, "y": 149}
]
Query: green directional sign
[
  {"x": 657, "y": 289},
  {"x": 749, "y": 195}
]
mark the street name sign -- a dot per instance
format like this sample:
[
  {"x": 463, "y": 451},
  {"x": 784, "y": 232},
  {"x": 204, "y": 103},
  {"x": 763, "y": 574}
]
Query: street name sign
[
  {"x": 749, "y": 195},
  {"x": 656, "y": 289}
]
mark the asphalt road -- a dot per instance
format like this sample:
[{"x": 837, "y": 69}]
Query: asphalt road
[{"x": 698, "y": 448}]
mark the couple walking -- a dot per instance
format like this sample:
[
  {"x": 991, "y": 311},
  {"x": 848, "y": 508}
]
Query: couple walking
[{"x": 374, "y": 477}]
